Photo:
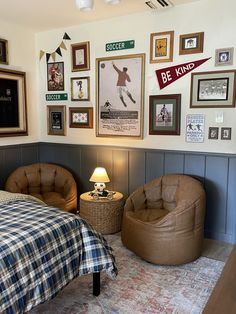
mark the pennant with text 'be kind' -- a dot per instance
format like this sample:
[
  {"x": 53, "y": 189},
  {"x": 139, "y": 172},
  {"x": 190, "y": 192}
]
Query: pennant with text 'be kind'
[{"x": 168, "y": 75}]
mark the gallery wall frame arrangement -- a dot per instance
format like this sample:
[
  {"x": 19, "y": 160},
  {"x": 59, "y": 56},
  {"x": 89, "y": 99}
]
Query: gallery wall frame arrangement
[
  {"x": 80, "y": 56},
  {"x": 213, "y": 133},
  {"x": 13, "y": 105},
  {"x": 120, "y": 96},
  {"x": 213, "y": 89},
  {"x": 80, "y": 88},
  {"x": 3, "y": 51},
  {"x": 224, "y": 56},
  {"x": 164, "y": 114},
  {"x": 161, "y": 47},
  {"x": 81, "y": 117},
  {"x": 55, "y": 75},
  {"x": 191, "y": 43},
  {"x": 226, "y": 133},
  {"x": 56, "y": 119}
]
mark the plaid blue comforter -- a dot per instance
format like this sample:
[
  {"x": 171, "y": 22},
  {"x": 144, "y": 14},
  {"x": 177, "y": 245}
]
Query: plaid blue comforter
[{"x": 41, "y": 250}]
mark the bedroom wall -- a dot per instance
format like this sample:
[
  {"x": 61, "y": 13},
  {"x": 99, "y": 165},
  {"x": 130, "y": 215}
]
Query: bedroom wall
[
  {"x": 216, "y": 21},
  {"x": 21, "y": 48}
]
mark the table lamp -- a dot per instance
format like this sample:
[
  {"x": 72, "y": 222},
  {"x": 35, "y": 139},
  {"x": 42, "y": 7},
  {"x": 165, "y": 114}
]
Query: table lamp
[{"x": 100, "y": 177}]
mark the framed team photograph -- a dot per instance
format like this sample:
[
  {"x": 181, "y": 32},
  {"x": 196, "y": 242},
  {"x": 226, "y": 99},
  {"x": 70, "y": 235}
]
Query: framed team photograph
[
  {"x": 161, "y": 47},
  {"x": 80, "y": 88},
  {"x": 120, "y": 96},
  {"x": 56, "y": 120},
  {"x": 224, "y": 56},
  {"x": 81, "y": 117},
  {"x": 3, "y": 51},
  {"x": 213, "y": 133},
  {"x": 213, "y": 89},
  {"x": 191, "y": 43},
  {"x": 55, "y": 71},
  {"x": 80, "y": 56},
  {"x": 164, "y": 114}
]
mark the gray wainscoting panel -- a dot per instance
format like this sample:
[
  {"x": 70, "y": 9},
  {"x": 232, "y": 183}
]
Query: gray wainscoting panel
[
  {"x": 154, "y": 165},
  {"x": 194, "y": 165},
  {"x": 120, "y": 171},
  {"x": 137, "y": 175},
  {"x": 174, "y": 163},
  {"x": 231, "y": 201}
]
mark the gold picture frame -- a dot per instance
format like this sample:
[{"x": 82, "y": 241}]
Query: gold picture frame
[
  {"x": 191, "y": 43},
  {"x": 161, "y": 47},
  {"x": 80, "y": 56},
  {"x": 56, "y": 120},
  {"x": 81, "y": 117},
  {"x": 13, "y": 107}
]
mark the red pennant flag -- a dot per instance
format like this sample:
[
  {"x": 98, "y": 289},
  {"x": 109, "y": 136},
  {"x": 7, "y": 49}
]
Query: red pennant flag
[{"x": 168, "y": 75}]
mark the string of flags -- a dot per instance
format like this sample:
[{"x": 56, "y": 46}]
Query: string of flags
[{"x": 57, "y": 51}]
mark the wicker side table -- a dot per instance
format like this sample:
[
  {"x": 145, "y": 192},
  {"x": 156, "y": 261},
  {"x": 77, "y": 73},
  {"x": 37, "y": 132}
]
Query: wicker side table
[{"x": 103, "y": 214}]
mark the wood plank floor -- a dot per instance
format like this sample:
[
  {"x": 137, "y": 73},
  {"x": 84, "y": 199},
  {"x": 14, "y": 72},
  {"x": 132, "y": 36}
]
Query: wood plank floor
[{"x": 223, "y": 297}]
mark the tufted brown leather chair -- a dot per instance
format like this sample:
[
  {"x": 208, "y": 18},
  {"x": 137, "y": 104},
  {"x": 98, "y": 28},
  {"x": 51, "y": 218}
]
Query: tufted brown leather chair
[
  {"x": 51, "y": 183},
  {"x": 163, "y": 221}
]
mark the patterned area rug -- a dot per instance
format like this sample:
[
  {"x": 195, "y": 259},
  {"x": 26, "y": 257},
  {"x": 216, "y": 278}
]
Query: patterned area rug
[{"x": 139, "y": 288}]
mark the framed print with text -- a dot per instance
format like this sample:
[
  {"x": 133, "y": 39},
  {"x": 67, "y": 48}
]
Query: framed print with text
[
  {"x": 80, "y": 56},
  {"x": 164, "y": 114},
  {"x": 56, "y": 120},
  {"x": 191, "y": 43},
  {"x": 13, "y": 110},
  {"x": 120, "y": 92},
  {"x": 161, "y": 47},
  {"x": 3, "y": 51},
  {"x": 81, "y": 117},
  {"x": 213, "y": 89},
  {"x": 80, "y": 88}
]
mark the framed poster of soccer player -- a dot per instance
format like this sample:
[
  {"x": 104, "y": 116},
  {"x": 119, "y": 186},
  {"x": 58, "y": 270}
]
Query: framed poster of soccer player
[
  {"x": 161, "y": 47},
  {"x": 164, "y": 114},
  {"x": 120, "y": 92}
]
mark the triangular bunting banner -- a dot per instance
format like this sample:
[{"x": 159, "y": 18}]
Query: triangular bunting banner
[
  {"x": 168, "y": 75},
  {"x": 41, "y": 54},
  {"x": 58, "y": 51},
  {"x": 66, "y": 36},
  {"x": 53, "y": 56},
  {"x": 48, "y": 55},
  {"x": 62, "y": 45}
]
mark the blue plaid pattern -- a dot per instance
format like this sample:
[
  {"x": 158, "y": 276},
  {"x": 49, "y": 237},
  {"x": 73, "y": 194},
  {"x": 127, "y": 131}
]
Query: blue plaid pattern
[{"x": 41, "y": 250}]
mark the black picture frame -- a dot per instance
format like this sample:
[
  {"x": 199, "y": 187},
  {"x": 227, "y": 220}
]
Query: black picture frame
[{"x": 3, "y": 51}]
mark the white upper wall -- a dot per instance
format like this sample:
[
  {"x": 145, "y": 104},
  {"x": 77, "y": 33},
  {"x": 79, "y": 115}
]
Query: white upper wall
[{"x": 21, "y": 48}]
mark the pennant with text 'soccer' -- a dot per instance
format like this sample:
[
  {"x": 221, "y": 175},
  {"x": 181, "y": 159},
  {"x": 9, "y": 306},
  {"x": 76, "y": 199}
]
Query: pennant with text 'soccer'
[{"x": 168, "y": 75}]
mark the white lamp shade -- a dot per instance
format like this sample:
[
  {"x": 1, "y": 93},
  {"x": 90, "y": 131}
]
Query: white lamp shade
[
  {"x": 99, "y": 175},
  {"x": 84, "y": 5},
  {"x": 112, "y": 1}
]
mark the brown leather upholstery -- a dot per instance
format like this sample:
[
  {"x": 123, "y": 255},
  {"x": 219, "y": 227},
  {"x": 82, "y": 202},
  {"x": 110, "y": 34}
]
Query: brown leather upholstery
[
  {"x": 51, "y": 183},
  {"x": 163, "y": 221}
]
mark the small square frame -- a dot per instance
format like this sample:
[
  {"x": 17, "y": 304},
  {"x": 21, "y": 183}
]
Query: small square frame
[
  {"x": 164, "y": 114},
  {"x": 213, "y": 89},
  {"x": 226, "y": 133},
  {"x": 55, "y": 72},
  {"x": 80, "y": 88},
  {"x": 3, "y": 51},
  {"x": 56, "y": 120},
  {"x": 80, "y": 56},
  {"x": 161, "y": 47},
  {"x": 191, "y": 43},
  {"x": 224, "y": 56},
  {"x": 213, "y": 133},
  {"x": 81, "y": 117}
]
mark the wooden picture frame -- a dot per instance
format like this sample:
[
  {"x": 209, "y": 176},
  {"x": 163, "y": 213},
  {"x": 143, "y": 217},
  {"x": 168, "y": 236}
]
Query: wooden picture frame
[
  {"x": 55, "y": 72},
  {"x": 80, "y": 56},
  {"x": 3, "y": 51},
  {"x": 56, "y": 120},
  {"x": 191, "y": 43},
  {"x": 161, "y": 47},
  {"x": 226, "y": 133},
  {"x": 13, "y": 107},
  {"x": 224, "y": 56},
  {"x": 213, "y": 89},
  {"x": 81, "y": 117},
  {"x": 164, "y": 114},
  {"x": 120, "y": 108},
  {"x": 213, "y": 133},
  {"x": 80, "y": 88}
]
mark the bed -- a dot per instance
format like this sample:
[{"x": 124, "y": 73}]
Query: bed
[{"x": 42, "y": 249}]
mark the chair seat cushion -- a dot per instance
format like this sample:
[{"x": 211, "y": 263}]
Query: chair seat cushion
[{"x": 148, "y": 215}]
